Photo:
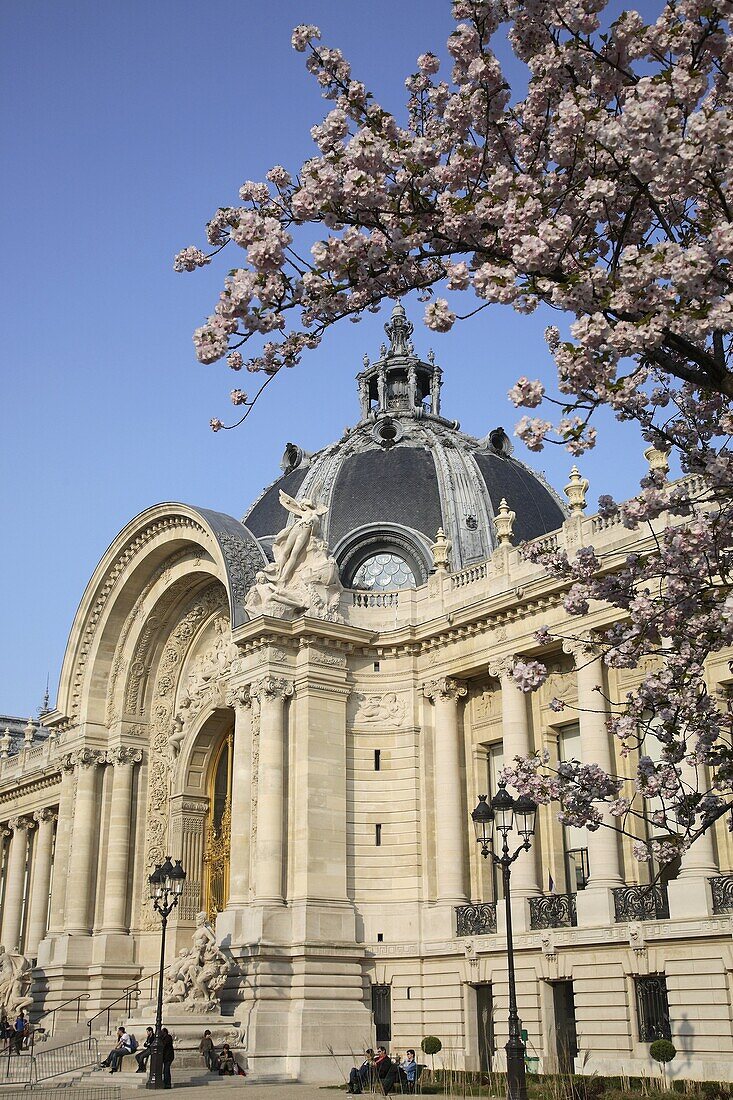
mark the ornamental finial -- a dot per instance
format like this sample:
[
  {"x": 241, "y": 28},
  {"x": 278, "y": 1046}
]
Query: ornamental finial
[
  {"x": 575, "y": 491},
  {"x": 504, "y": 523},
  {"x": 399, "y": 330}
]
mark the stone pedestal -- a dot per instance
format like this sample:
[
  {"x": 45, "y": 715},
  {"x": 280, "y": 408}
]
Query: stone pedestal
[
  {"x": 690, "y": 897},
  {"x": 187, "y": 1030},
  {"x": 594, "y": 907}
]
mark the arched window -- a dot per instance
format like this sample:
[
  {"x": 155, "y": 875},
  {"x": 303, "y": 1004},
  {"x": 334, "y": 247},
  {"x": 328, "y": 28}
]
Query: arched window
[
  {"x": 219, "y": 831},
  {"x": 381, "y": 572}
]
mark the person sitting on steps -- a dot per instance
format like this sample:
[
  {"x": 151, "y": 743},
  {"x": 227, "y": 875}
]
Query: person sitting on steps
[
  {"x": 123, "y": 1046},
  {"x": 142, "y": 1055}
]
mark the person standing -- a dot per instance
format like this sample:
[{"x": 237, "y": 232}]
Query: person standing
[
  {"x": 167, "y": 1056},
  {"x": 207, "y": 1051},
  {"x": 20, "y": 1029}
]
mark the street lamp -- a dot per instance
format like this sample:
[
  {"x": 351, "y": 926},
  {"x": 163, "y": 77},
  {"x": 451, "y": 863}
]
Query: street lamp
[
  {"x": 166, "y": 886},
  {"x": 503, "y": 815}
]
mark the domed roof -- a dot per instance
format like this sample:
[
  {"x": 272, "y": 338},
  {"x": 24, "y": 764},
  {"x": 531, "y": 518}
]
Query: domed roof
[{"x": 401, "y": 473}]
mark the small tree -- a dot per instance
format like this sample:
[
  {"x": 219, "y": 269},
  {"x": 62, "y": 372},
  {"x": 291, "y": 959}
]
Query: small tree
[
  {"x": 431, "y": 1044},
  {"x": 663, "y": 1051}
]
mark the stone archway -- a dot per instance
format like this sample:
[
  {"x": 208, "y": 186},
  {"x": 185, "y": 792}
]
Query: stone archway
[{"x": 195, "y": 818}]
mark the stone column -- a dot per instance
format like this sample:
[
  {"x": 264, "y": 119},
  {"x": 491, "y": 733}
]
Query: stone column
[
  {"x": 61, "y": 849},
  {"x": 595, "y": 903},
  {"x": 451, "y": 822},
  {"x": 239, "y": 859},
  {"x": 85, "y": 836},
  {"x": 45, "y": 820},
  {"x": 15, "y": 882},
  {"x": 116, "y": 881},
  {"x": 516, "y": 742},
  {"x": 272, "y": 691},
  {"x": 690, "y": 894}
]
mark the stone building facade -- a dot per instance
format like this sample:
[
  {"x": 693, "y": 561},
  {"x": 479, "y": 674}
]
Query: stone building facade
[{"x": 303, "y": 707}]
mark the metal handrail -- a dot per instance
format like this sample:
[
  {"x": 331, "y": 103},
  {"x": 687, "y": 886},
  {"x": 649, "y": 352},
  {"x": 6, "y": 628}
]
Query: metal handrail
[
  {"x": 52, "y": 1012},
  {"x": 65, "y": 1059},
  {"x": 126, "y": 996}
]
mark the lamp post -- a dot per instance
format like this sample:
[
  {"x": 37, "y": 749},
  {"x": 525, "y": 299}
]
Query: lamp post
[
  {"x": 166, "y": 887},
  {"x": 505, "y": 814}
]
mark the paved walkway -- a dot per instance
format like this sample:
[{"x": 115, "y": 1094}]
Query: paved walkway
[{"x": 249, "y": 1091}]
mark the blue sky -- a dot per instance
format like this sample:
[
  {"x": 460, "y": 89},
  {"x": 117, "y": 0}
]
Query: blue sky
[{"x": 125, "y": 126}]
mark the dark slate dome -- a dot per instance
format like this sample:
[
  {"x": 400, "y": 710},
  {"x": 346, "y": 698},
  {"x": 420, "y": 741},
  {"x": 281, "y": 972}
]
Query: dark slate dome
[{"x": 403, "y": 472}]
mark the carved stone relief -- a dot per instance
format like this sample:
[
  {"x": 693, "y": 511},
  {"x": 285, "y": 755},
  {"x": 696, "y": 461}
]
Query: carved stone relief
[{"x": 387, "y": 708}]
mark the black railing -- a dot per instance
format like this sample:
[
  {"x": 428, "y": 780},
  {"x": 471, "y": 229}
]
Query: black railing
[
  {"x": 129, "y": 997},
  {"x": 552, "y": 911},
  {"x": 51, "y": 1026},
  {"x": 65, "y": 1059},
  {"x": 722, "y": 890},
  {"x": 476, "y": 920},
  {"x": 641, "y": 903}
]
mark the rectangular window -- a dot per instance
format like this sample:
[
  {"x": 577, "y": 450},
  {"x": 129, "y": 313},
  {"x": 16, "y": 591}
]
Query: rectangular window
[
  {"x": 652, "y": 1008},
  {"x": 376, "y": 666},
  {"x": 576, "y": 870},
  {"x": 378, "y": 835},
  {"x": 377, "y": 759}
]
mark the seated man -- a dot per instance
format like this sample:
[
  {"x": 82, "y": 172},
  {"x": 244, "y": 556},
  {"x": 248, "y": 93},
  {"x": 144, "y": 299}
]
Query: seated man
[
  {"x": 122, "y": 1047},
  {"x": 142, "y": 1055},
  {"x": 359, "y": 1078},
  {"x": 387, "y": 1071},
  {"x": 409, "y": 1069}
]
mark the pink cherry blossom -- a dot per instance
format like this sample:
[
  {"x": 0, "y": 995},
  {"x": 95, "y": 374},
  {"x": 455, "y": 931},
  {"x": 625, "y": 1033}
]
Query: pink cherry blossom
[{"x": 599, "y": 187}]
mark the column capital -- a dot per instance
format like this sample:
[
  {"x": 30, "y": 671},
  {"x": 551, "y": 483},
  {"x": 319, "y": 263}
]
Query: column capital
[
  {"x": 123, "y": 755},
  {"x": 272, "y": 687},
  {"x": 583, "y": 649},
  {"x": 83, "y": 758},
  {"x": 16, "y": 823},
  {"x": 445, "y": 687},
  {"x": 501, "y": 668},
  {"x": 47, "y": 814},
  {"x": 237, "y": 697}
]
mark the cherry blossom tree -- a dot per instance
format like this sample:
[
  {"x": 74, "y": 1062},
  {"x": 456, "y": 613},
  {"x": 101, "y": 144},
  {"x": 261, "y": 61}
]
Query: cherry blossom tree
[{"x": 605, "y": 194}]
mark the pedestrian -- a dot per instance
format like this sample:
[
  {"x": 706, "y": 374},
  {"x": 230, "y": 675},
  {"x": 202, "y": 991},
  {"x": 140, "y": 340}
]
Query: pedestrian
[
  {"x": 20, "y": 1030},
  {"x": 207, "y": 1051},
  {"x": 167, "y": 1055}
]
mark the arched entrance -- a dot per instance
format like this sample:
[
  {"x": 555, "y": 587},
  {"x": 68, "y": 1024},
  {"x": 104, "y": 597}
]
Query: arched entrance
[{"x": 218, "y": 828}]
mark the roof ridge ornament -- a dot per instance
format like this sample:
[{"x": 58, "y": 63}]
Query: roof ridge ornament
[{"x": 399, "y": 382}]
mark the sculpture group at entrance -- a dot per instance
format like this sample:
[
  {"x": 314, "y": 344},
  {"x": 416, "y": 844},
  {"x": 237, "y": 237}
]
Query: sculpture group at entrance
[{"x": 197, "y": 975}]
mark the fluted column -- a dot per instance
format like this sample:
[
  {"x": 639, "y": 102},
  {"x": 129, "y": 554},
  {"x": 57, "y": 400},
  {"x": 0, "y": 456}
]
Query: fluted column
[
  {"x": 60, "y": 867},
  {"x": 239, "y": 860},
  {"x": 451, "y": 823},
  {"x": 272, "y": 691},
  {"x": 595, "y": 748},
  {"x": 516, "y": 741},
  {"x": 15, "y": 882},
  {"x": 45, "y": 819},
  {"x": 116, "y": 884},
  {"x": 84, "y": 840}
]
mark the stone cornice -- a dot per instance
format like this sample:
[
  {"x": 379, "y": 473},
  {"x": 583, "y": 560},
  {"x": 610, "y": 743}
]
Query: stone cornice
[{"x": 18, "y": 791}]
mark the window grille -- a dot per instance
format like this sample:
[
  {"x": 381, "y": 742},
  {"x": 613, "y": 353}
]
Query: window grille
[{"x": 652, "y": 1008}]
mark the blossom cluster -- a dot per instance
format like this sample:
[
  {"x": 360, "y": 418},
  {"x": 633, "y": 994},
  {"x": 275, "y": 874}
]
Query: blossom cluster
[{"x": 604, "y": 191}]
